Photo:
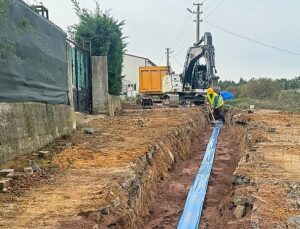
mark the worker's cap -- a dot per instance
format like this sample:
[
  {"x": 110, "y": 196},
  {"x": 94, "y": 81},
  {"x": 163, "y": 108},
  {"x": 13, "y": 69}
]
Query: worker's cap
[{"x": 210, "y": 91}]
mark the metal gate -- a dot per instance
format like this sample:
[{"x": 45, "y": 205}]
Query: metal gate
[{"x": 80, "y": 59}]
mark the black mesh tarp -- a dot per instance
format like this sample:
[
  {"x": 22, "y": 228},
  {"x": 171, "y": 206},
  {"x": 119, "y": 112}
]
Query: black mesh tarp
[{"x": 33, "y": 63}]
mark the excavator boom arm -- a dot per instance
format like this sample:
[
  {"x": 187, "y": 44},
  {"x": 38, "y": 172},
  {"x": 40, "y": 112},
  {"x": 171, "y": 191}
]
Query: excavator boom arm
[{"x": 202, "y": 49}]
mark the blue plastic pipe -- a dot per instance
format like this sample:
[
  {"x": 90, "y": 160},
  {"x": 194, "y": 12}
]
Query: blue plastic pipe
[{"x": 191, "y": 216}]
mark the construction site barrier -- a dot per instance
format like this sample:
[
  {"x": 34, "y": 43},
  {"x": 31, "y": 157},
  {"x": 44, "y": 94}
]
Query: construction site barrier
[{"x": 33, "y": 63}]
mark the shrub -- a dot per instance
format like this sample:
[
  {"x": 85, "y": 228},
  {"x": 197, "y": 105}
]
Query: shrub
[
  {"x": 260, "y": 89},
  {"x": 105, "y": 34}
]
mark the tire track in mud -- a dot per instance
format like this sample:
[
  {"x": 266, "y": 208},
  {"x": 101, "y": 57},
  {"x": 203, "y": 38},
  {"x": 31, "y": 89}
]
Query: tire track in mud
[{"x": 172, "y": 194}]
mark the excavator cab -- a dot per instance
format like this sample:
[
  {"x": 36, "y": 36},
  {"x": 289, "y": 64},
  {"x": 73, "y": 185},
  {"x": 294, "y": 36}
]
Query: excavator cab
[
  {"x": 196, "y": 75},
  {"x": 200, "y": 80},
  {"x": 199, "y": 71}
]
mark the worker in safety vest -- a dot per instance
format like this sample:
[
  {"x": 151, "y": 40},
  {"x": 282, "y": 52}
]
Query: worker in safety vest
[{"x": 216, "y": 103}]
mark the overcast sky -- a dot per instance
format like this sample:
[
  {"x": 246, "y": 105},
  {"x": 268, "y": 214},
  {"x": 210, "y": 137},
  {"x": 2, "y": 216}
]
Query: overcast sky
[{"x": 153, "y": 25}]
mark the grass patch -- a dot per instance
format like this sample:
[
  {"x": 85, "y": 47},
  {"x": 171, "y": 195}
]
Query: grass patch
[{"x": 288, "y": 104}]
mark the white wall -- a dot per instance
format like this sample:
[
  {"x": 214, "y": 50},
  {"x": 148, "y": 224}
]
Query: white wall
[{"x": 131, "y": 66}]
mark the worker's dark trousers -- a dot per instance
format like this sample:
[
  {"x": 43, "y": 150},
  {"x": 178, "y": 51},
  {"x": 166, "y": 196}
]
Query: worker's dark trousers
[{"x": 219, "y": 115}]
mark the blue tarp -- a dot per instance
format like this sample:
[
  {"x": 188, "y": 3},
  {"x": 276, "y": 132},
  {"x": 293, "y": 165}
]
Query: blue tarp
[
  {"x": 190, "y": 218},
  {"x": 227, "y": 95}
]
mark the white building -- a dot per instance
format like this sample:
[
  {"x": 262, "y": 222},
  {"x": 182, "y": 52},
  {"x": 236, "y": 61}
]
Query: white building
[{"x": 131, "y": 65}]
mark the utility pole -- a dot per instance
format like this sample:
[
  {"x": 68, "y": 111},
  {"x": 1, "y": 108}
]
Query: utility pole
[
  {"x": 168, "y": 52},
  {"x": 198, "y": 20}
]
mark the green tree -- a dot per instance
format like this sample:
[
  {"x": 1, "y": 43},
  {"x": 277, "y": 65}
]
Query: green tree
[
  {"x": 226, "y": 84},
  {"x": 262, "y": 88},
  {"x": 242, "y": 82},
  {"x": 105, "y": 34},
  {"x": 294, "y": 83},
  {"x": 289, "y": 84}
]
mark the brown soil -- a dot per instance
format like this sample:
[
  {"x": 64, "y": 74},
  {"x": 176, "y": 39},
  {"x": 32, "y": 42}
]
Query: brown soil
[
  {"x": 172, "y": 193},
  {"x": 139, "y": 167},
  {"x": 108, "y": 168},
  {"x": 131, "y": 106},
  {"x": 270, "y": 170},
  {"x": 217, "y": 208},
  {"x": 269, "y": 166}
]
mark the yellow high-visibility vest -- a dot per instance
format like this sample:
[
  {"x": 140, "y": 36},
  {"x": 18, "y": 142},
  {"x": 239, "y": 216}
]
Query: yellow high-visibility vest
[{"x": 215, "y": 100}]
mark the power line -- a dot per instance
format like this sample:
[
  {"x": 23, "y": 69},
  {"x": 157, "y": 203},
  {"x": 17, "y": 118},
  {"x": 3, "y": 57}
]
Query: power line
[
  {"x": 182, "y": 31},
  {"x": 161, "y": 59},
  {"x": 186, "y": 37},
  {"x": 186, "y": 32},
  {"x": 215, "y": 9},
  {"x": 177, "y": 40},
  {"x": 183, "y": 35},
  {"x": 251, "y": 40},
  {"x": 184, "y": 47},
  {"x": 209, "y": 4},
  {"x": 185, "y": 26},
  {"x": 176, "y": 60}
]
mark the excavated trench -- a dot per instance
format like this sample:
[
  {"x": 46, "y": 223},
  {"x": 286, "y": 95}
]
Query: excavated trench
[
  {"x": 154, "y": 171},
  {"x": 133, "y": 172},
  {"x": 156, "y": 194},
  {"x": 171, "y": 196},
  {"x": 137, "y": 169}
]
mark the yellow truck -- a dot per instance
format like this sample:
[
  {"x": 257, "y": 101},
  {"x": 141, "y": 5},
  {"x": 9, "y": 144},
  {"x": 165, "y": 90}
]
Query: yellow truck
[{"x": 151, "y": 84}]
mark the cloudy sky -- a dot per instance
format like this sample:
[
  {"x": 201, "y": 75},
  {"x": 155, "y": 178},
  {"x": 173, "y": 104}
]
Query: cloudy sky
[{"x": 153, "y": 25}]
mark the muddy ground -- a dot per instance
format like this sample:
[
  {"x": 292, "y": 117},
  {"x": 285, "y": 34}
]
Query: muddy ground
[{"x": 135, "y": 171}]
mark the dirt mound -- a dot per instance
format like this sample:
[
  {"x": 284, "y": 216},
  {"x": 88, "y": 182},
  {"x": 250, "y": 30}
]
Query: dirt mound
[{"x": 270, "y": 169}]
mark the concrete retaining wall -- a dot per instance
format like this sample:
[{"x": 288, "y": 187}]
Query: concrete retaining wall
[
  {"x": 114, "y": 103},
  {"x": 27, "y": 127}
]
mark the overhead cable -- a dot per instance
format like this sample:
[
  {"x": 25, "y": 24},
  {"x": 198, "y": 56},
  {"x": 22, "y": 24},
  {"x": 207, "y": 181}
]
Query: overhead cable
[
  {"x": 251, "y": 40},
  {"x": 176, "y": 60},
  {"x": 215, "y": 9}
]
